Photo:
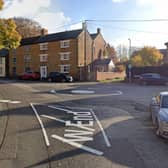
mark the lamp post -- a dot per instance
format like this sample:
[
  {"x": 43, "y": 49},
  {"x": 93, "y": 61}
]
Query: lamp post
[
  {"x": 129, "y": 66},
  {"x": 129, "y": 47}
]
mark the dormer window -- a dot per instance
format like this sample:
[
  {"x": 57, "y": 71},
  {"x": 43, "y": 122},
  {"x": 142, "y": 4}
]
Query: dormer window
[{"x": 65, "y": 44}]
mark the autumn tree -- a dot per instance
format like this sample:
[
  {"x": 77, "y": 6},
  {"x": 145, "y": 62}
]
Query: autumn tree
[
  {"x": 9, "y": 37},
  {"x": 27, "y": 27},
  {"x": 111, "y": 53},
  {"x": 147, "y": 56}
]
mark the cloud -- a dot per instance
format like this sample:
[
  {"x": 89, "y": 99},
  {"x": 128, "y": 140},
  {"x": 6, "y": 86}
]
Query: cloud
[
  {"x": 76, "y": 26},
  {"x": 53, "y": 21},
  {"x": 37, "y": 10},
  {"x": 24, "y": 8}
]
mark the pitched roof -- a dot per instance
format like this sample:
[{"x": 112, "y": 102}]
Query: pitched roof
[
  {"x": 4, "y": 52},
  {"x": 52, "y": 37},
  {"x": 93, "y": 35},
  {"x": 102, "y": 61}
]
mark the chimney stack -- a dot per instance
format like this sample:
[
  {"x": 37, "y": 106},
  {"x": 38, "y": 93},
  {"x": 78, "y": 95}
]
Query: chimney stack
[
  {"x": 44, "y": 31},
  {"x": 98, "y": 30}
]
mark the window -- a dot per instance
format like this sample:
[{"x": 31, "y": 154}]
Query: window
[
  {"x": 65, "y": 68},
  {"x": 43, "y": 46},
  {"x": 27, "y": 58},
  {"x": 1, "y": 71},
  {"x": 43, "y": 57},
  {"x": 27, "y": 69},
  {"x": 65, "y": 55},
  {"x": 14, "y": 60},
  {"x": 65, "y": 44}
]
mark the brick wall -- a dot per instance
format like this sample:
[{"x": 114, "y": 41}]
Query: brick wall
[{"x": 108, "y": 75}]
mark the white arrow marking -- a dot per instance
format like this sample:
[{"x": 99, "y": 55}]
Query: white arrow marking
[{"x": 86, "y": 148}]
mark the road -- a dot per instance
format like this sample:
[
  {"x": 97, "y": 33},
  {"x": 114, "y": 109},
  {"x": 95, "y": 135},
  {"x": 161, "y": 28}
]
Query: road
[{"x": 49, "y": 125}]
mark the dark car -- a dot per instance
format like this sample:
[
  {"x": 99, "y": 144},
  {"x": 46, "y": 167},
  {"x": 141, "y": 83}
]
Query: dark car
[
  {"x": 30, "y": 76},
  {"x": 59, "y": 77},
  {"x": 152, "y": 79}
]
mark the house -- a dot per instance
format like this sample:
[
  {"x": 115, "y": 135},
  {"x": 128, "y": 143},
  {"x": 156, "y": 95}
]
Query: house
[
  {"x": 103, "y": 65},
  {"x": 3, "y": 62},
  {"x": 98, "y": 45},
  {"x": 69, "y": 52}
]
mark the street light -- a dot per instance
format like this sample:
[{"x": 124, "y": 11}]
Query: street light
[
  {"x": 129, "y": 66},
  {"x": 129, "y": 47}
]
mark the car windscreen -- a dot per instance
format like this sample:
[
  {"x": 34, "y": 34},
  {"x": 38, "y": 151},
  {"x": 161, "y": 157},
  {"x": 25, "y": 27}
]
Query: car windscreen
[{"x": 164, "y": 103}]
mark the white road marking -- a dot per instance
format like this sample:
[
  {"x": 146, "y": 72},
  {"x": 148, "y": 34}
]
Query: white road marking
[
  {"x": 63, "y": 121},
  {"x": 52, "y": 91},
  {"x": 86, "y": 148},
  {"x": 58, "y": 108},
  {"x": 41, "y": 124},
  {"x": 14, "y": 102},
  {"x": 83, "y": 91},
  {"x": 10, "y": 101},
  {"x": 4, "y": 101},
  {"x": 101, "y": 128}
]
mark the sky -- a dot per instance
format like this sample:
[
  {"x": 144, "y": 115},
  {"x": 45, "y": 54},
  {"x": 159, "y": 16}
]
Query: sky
[{"x": 61, "y": 15}]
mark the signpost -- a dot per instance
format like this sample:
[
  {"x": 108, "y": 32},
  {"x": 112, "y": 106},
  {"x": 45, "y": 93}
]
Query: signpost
[{"x": 129, "y": 72}]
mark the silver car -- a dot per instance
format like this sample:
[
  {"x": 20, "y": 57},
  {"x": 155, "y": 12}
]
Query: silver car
[{"x": 159, "y": 113}]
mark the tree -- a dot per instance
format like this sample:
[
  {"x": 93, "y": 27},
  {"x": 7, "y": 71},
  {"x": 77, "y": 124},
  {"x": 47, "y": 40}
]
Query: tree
[
  {"x": 122, "y": 51},
  {"x": 9, "y": 37},
  {"x": 27, "y": 27},
  {"x": 111, "y": 53},
  {"x": 1, "y": 4},
  {"x": 147, "y": 56}
]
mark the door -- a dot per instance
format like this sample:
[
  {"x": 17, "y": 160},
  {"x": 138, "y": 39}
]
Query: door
[{"x": 43, "y": 72}]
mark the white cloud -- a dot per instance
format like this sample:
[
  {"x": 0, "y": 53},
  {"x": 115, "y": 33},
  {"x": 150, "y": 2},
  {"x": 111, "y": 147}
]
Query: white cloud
[
  {"x": 53, "y": 21},
  {"x": 37, "y": 10},
  {"x": 25, "y": 8},
  {"x": 76, "y": 26}
]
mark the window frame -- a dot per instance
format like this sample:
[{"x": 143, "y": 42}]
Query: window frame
[
  {"x": 43, "y": 46},
  {"x": 63, "y": 68},
  {"x": 65, "y": 56},
  {"x": 65, "y": 43},
  {"x": 42, "y": 56}
]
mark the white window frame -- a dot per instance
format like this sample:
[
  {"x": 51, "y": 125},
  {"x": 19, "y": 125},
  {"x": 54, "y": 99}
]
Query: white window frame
[
  {"x": 65, "y": 56},
  {"x": 65, "y": 44},
  {"x": 65, "y": 68},
  {"x": 43, "y": 46},
  {"x": 27, "y": 58},
  {"x": 43, "y": 57}
]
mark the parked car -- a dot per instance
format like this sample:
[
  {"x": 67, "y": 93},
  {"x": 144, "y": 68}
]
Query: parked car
[
  {"x": 152, "y": 78},
  {"x": 30, "y": 76},
  {"x": 59, "y": 77},
  {"x": 159, "y": 113}
]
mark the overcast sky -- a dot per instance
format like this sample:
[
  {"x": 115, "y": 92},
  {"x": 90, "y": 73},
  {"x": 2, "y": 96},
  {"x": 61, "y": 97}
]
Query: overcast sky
[{"x": 53, "y": 14}]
